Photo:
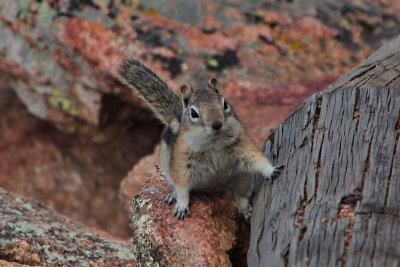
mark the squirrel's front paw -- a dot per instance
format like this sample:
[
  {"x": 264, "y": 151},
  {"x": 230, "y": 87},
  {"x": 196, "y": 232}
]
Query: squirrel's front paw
[
  {"x": 171, "y": 198},
  {"x": 276, "y": 172},
  {"x": 245, "y": 209},
  {"x": 181, "y": 212}
]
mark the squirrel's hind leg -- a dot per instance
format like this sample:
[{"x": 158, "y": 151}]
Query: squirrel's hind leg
[{"x": 241, "y": 191}]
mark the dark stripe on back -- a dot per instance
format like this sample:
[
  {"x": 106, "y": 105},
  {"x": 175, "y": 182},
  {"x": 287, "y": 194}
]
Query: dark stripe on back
[
  {"x": 179, "y": 117},
  {"x": 169, "y": 137}
]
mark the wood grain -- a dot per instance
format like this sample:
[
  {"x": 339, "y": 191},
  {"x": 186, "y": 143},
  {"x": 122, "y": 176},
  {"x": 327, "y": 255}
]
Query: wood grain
[{"x": 337, "y": 202}]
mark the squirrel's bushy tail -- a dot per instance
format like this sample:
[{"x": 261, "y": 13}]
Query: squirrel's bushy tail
[{"x": 164, "y": 102}]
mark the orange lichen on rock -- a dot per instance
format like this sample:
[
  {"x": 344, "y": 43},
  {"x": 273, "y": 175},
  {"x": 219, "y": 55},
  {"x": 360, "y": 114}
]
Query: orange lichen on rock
[{"x": 93, "y": 41}]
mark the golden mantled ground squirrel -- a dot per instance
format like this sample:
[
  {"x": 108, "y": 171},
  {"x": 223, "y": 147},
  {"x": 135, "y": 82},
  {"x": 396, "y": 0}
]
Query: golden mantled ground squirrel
[{"x": 204, "y": 146}]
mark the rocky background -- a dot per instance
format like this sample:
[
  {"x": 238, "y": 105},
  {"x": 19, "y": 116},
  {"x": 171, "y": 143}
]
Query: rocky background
[{"x": 75, "y": 139}]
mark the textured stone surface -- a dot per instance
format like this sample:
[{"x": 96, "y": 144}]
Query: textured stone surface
[
  {"x": 204, "y": 239},
  {"x": 133, "y": 182},
  {"x": 60, "y": 57},
  {"x": 12, "y": 264},
  {"x": 76, "y": 174},
  {"x": 33, "y": 234}
]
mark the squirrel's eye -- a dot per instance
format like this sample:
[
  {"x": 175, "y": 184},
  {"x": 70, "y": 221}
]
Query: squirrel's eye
[
  {"x": 226, "y": 106},
  {"x": 193, "y": 113}
]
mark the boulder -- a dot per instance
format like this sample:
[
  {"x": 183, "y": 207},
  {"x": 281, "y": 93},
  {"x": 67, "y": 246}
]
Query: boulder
[
  {"x": 207, "y": 238},
  {"x": 33, "y": 234}
]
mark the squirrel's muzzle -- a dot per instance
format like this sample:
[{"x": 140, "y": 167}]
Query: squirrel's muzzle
[{"x": 216, "y": 125}]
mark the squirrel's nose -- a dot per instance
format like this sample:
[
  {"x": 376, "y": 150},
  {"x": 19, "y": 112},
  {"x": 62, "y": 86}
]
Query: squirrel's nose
[{"x": 216, "y": 125}]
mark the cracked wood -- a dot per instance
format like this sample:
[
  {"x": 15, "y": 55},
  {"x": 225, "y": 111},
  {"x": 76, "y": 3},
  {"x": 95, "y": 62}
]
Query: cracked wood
[{"x": 337, "y": 202}]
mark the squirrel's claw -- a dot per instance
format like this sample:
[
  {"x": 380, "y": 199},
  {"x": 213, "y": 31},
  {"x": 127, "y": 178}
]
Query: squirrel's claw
[
  {"x": 171, "y": 198},
  {"x": 180, "y": 213},
  {"x": 280, "y": 167},
  {"x": 246, "y": 213},
  {"x": 276, "y": 172}
]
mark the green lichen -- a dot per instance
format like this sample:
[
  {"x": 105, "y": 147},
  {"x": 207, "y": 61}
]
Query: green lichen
[
  {"x": 72, "y": 235},
  {"x": 23, "y": 7},
  {"x": 29, "y": 229},
  {"x": 344, "y": 23},
  {"x": 19, "y": 200},
  {"x": 25, "y": 13},
  {"x": 60, "y": 100},
  {"x": 139, "y": 202},
  {"x": 28, "y": 206},
  {"x": 14, "y": 212},
  {"x": 23, "y": 204},
  {"x": 51, "y": 239},
  {"x": 51, "y": 257},
  {"x": 180, "y": 51},
  {"x": 122, "y": 253},
  {"x": 142, "y": 245},
  {"x": 142, "y": 224},
  {"x": 46, "y": 13},
  {"x": 213, "y": 63}
]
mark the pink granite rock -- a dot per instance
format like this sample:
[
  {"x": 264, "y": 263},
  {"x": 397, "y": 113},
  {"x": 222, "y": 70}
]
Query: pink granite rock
[
  {"x": 33, "y": 234},
  {"x": 205, "y": 239},
  {"x": 134, "y": 181}
]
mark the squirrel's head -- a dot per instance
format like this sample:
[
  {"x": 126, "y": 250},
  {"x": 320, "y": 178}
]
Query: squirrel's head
[{"x": 208, "y": 120}]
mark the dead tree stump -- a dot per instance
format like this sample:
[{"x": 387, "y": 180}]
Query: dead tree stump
[{"x": 338, "y": 200}]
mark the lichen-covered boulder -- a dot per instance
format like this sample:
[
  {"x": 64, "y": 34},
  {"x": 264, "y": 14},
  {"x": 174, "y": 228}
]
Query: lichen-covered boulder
[
  {"x": 33, "y": 234},
  {"x": 205, "y": 239}
]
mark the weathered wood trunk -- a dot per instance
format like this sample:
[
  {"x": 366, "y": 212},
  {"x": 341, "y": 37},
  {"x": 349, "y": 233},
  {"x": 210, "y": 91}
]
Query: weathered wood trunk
[{"x": 338, "y": 200}]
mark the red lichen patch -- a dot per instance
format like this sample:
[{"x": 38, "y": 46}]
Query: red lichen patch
[
  {"x": 250, "y": 33},
  {"x": 195, "y": 37},
  {"x": 94, "y": 42},
  {"x": 13, "y": 70},
  {"x": 273, "y": 18},
  {"x": 65, "y": 61},
  {"x": 217, "y": 41},
  {"x": 314, "y": 28}
]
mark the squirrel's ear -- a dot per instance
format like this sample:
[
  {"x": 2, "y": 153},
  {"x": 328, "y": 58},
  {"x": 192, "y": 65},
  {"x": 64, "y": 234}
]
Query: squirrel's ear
[
  {"x": 186, "y": 90},
  {"x": 212, "y": 84}
]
